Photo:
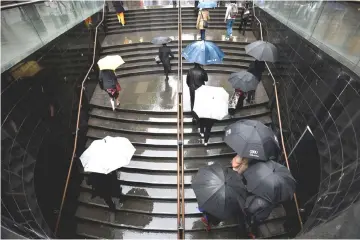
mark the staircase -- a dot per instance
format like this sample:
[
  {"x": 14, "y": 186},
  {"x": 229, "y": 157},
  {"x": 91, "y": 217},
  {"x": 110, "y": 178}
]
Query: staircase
[
  {"x": 147, "y": 117},
  {"x": 165, "y": 19}
]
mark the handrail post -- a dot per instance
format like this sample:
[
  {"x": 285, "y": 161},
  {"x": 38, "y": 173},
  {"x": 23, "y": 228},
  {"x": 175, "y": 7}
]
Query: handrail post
[
  {"x": 77, "y": 124},
  {"x": 279, "y": 119},
  {"x": 180, "y": 138}
]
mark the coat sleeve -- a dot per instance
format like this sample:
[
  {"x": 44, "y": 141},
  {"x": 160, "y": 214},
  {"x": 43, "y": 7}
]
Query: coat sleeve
[
  {"x": 227, "y": 12},
  {"x": 198, "y": 21},
  {"x": 188, "y": 78},
  {"x": 171, "y": 53},
  {"x": 205, "y": 77},
  {"x": 101, "y": 81}
]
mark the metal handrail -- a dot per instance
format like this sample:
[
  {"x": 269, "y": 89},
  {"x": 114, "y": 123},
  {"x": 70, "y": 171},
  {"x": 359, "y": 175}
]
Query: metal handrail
[
  {"x": 180, "y": 138},
  {"x": 19, "y": 4},
  {"x": 279, "y": 119},
  {"x": 78, "y": 122}
]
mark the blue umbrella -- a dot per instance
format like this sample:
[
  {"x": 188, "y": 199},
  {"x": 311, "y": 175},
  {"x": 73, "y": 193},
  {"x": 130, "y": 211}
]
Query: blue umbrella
[
  {"x": 203, "y": 52},
  {"x": 207, "y": 4}
]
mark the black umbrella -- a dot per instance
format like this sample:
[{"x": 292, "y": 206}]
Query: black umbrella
[
  {"x": 244, "y": 81},
  {"x": 161, "y": 40},
  {"x": 262, "y": 51},
  {"x": 271, "y": 181},
  {"x": 219, "y": 191},
  {"x": 257, "y": 209},
  {"x": 252, "y": 139}
]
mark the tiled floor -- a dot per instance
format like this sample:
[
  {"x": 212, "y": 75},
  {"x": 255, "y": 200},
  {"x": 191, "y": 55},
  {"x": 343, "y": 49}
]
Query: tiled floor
[{"x": 153, "y": 93}]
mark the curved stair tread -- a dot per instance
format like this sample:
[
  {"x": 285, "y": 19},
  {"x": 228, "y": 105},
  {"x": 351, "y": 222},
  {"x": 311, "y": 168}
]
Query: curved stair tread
[
  {"x": 170, "y": 118},
  {"x": 145, "y": 206},
  {"x": 88, "y": 229},
  {"x": 131, "y": 189},
  {"x": 190, "y": 152},
  {"x": 158, "y": 129},
  {"x": 168, "y": 165},
  {"x": 141, "y": 221}
]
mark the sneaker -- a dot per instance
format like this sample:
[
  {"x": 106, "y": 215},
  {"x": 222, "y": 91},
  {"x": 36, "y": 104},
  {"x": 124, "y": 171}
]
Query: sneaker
[
  {"x": 205, "y": 144},
  {"x": 227, "y": 38},
  {"x": 202, "y": 135}
]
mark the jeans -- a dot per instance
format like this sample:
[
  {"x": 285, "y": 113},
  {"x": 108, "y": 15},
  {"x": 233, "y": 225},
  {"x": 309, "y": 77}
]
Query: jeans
[
  {"x": 229, "y": 24},
  {"x": 202, "y": 34}
]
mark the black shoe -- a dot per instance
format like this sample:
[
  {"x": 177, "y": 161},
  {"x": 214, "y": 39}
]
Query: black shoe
[{"x": 167, "y": 78}]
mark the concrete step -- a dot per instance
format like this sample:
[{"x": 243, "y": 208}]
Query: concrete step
[{"x": 160, "y": 129}]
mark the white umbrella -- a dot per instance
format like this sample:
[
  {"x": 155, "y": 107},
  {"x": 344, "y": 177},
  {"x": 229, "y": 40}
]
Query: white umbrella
[
  {"x": 211, "y": 102},
  {"x": 110, "y": 62},
  {"x": 107, "y": 155}
]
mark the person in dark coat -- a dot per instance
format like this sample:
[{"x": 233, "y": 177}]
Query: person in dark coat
[
  {"x": 164, "y": 55},
  {"x": 205, "y": 128},
  {"x": 243, "y": 20},
  {"x": 256, "y": 68},
  {"x": 119, "y": 9},
  {"x": 195, "y": 78},
  {"x": 196, "y": 8},
  {"x": 105, "y": 186},
  {"x": 108, "y": 82}
]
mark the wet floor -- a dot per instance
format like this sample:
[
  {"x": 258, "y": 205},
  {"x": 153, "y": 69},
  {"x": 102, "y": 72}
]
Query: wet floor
[
  {"x": 188, "y": 34},
  {"x": 153, "y": 93}
]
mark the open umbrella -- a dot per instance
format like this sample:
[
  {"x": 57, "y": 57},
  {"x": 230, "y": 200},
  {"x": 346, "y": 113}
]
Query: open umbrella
[
  {"x": 108, "y": 154},
  {"x": 161, "y": 40},
  {"x": 219, "y": 191},
  {"x": 257, "y": 208},
  {"x": 203, "y": 52},
  {"x": 207, "y": 4},
  {"x": 211, "y": 102},
  {"x": 252, "y": 139},
  {"x": 110, "y": 62},
  {"x": 271, "y": 181},
  {"x": 262, "y": 51},
  {"x": 244, "y": 81}
]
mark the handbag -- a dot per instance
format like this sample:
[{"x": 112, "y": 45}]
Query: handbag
[
  {"x": 157, "y": 60},
  {"x": 205, "y": 23}
]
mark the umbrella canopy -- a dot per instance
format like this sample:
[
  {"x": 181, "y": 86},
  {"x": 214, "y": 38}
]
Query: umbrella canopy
[
  {"x": 207, "y": 4},
  {"x": 219, "y": 191},
  {"x": 108, "y": 154},
  {"x": 211, "y": 102},
  {"x": 271, "y": 181},
  {"x": 252, "y": 139},
  {"x": 244, "y": 80},
  {"x": 110, "y": 62},
  {"x": 262, "y": 51},
  {"x": 203, "y": 52},
  {"x": 161, "y": 40}
]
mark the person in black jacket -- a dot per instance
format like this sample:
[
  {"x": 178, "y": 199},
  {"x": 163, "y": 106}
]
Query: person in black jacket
[
  {"x": 195, "y": 78},
  {"x": 164, "y": 55},
  {"x": 108, "y": 82},
  {"x": 118, "y": 5},
  {"x": 256, "y": 68}
]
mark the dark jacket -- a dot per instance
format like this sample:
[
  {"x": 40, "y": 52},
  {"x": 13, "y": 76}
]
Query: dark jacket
[
  {"x": 257, "y": 68},
  {"x": 196, "y": 77},
  {"x": 118, "y": 5},
  {"x": 107, "y": 79},
  {"x": 165, "y": 54}
]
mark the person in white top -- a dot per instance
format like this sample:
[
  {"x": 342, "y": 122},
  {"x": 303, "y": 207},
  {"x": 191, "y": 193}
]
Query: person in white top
[{"x": 230, "y": 17}]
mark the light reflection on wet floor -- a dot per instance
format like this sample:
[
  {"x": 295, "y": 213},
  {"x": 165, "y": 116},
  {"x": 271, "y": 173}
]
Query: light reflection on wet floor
[{"x": 138, "y": 91}]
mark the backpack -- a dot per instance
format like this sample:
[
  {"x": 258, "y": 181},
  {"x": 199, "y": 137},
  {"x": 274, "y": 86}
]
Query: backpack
[{"x": 233, "y": 11}]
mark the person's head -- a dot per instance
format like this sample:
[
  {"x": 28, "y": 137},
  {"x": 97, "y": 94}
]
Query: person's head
[
  {"x": 239, "y": 164},
  {"x": 197, "y": 65},
  {"x": 164, "y": 44},
  {"x": 233, "y": 2}
]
